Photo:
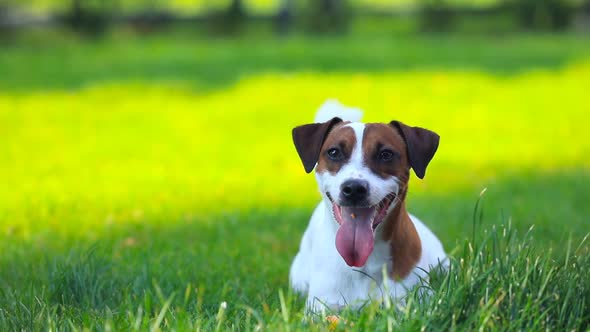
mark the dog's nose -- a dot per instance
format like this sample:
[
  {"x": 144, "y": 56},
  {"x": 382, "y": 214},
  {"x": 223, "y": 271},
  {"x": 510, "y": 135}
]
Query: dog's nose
[{"x": 354, "y": 191}]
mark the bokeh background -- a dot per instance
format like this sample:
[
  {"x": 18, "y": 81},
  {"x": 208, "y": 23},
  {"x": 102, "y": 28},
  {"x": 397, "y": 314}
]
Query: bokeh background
[{"x": 145, "y": 145}]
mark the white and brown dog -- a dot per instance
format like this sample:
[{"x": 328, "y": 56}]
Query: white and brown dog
[{"x": 361, "y": 228}]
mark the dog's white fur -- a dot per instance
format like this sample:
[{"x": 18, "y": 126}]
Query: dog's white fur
[
  {"x": 319, "y": 272},
  {"x": 332, "y": 108}
]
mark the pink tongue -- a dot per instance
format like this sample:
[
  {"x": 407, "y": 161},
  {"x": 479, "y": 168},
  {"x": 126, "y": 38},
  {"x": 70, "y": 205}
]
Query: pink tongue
[{"x": 354, "y": 239}]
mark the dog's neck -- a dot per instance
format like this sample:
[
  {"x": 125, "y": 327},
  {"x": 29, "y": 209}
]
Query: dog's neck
[
  {"x": 406, "y": 248},
  {"x": 397, "y": 229}
]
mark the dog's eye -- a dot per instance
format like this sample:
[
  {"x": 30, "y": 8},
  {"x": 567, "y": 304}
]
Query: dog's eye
[
  {"x": 386, "y": 155},
  {"x": 335, "y": 154}
]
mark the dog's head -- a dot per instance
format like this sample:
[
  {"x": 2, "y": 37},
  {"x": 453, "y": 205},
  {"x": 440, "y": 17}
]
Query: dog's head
[{"x": 362, "y": 171}]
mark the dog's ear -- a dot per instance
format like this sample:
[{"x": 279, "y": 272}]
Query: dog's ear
[
  {"x": 308, "y": 141},
  {"x": 421, "y": 143}
]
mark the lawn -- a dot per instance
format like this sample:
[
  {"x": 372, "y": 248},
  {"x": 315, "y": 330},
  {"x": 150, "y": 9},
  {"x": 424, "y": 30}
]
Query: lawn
[{"x": 146, "y": 180}]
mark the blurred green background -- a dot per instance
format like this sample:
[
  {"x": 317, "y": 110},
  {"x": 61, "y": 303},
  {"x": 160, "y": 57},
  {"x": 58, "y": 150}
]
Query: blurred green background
[{"x": 145, "y": 145}]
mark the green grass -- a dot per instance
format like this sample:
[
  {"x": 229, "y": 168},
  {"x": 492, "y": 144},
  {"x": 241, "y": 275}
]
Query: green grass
[{"x": 147, "y": 180}]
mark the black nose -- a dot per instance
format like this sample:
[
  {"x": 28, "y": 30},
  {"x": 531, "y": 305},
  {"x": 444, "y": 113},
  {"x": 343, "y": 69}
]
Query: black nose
[{"x": 354, "y": 192}]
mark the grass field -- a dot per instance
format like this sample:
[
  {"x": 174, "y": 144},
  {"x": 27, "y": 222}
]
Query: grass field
[{"x": 147, "y": 180}]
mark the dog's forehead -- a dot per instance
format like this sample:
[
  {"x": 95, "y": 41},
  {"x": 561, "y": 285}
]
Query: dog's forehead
[
  {"x": 343, "y": 133},
  {"x": 370, "y": 134},
  {"x": 381, "y": 134}
]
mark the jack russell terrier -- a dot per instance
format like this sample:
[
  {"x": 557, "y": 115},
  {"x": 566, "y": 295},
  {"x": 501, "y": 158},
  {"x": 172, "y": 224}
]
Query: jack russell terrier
[{"x": 361, "y": 243}]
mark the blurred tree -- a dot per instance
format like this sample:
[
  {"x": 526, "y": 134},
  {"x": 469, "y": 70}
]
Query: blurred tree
[
  {"x": 236, "y": 8},
  {"x": 229, "y": 20},
  {"x": 152, "y": 14},
  {"x": 3, "y": 14},
  {"x": 328, "y": 16},
  {"x": 4, "y": 29},
  {"x": 87, "y": 16},
  {"x": 235, "y": 16},
  {"x": 285, "y": 16},
  {"x": 543, "y": 14},
  {"x": 436, "y": 15}
]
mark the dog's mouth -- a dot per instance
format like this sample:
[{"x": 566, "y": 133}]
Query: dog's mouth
[
  {"x": 355, "y": 237},
  {"x": 376, "y": 213}
]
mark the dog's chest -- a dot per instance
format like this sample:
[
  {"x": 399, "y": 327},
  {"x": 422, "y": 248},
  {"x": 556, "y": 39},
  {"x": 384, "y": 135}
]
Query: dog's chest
[{"x": 351, "y": 283}]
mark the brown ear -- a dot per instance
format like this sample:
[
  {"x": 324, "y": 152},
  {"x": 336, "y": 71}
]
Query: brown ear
[
  {"x": 422, "y": 144},
  {"x": 308, "y": 141}
]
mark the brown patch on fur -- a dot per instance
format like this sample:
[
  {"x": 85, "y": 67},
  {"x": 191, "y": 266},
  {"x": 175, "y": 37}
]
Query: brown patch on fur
[
  {"x": 378, "y": 137},
  {"x": 340, "y": 137},
  {"x": 406, "y": 247},
  {"x": 399, "y": 230}
]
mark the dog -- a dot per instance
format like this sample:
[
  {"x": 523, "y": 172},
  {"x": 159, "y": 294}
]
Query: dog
[{"x": 361, "y": 244}]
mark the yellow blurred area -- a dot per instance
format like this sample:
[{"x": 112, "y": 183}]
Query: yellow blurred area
[{"x": 168, "y": 146}]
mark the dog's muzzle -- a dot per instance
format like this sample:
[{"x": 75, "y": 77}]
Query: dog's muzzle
[
  {"x": 354, "y": 193},
  {"x": 355, "y": 237}
]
